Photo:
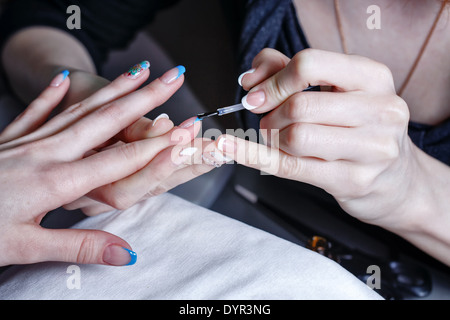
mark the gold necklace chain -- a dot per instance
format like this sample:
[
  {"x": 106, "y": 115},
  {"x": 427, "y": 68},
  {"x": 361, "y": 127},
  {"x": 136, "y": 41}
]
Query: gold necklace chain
[{"x": 419, "y": 55}]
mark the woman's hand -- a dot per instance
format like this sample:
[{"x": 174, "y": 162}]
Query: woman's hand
[
  {"x": 48, "y": 164},
  {"x": 351, "y": 141}
]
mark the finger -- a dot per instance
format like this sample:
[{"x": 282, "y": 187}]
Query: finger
[
  {"x": 329, "y": 143},
  {"x": 266, "y": 63},
  {"x": 126, "y": 192},
  {"x": 106, "y": 122},
  {"x": 192, "y": 167},
  {"x": 39, "y": 110},
  {"x": 118, "y": 88},
  {"x": 116, "y": 163},
  {"x": 169, "y": 169},
  {"x": 320, "y": 173},
  {"x": 320, "y": 68},
  {"x": 324, "y": 108},
  {"x": 90, "y": 207},
  {"x": 73, "y": 245},
  {"x": 122, "y": 85},
  {"x": 145, "y": 128}
]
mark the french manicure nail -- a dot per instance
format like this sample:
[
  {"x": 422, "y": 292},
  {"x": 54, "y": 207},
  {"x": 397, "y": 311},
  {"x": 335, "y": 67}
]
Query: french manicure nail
[
  {"x": 59, "y": 79},
  {"x": 161, "y": 116},
  {"x": 119, "y": 256},
  {"x": 220, "y": 157},
  {"x": 210, "y": 160},
  {"x": 173, "y": 74},
  {"x": 188, "y": 151},
  {"x": 242, "y": 75},
  {"x": 135, "y": 71},
  {"x": 188, "y": 123},
  {"x": 254, "y": 100},
  {"x": 226, "y": 145}
]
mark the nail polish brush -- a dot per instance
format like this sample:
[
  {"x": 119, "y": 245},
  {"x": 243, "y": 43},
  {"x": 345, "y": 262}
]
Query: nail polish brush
[
  {"x": 234, "y": 108},
  {"x": 220, "y": 112}
]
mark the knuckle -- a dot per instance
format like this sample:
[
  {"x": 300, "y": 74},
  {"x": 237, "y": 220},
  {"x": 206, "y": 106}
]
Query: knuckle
[
  {"x": 296, "y": 136},
  {"x": 277, "y": 90},
  {"x": 58, "y": 180},
  {"x": 389, "y": 149},
  {"x": 298, "y": 105},
  {"x": 87, "y": 249},
  {"x": 77, "y": 110},
  {"x": 303, "y": 62},
  {"x": 290, "y": 167},
  {"x": 120, "y": 200},
  {"x": 399, "y": 110},
  {"x": 129, "y": 152},
  {"x": 393, "y": 110},
  {"x": 157, "y": 190},
  {"x": 265, "y": 53},
  {"x": 361, "y": 182},
  {"x": 270, "y": 55},
  {"x": 111, "y": 112},
  {"x": 384, "y": 75}
]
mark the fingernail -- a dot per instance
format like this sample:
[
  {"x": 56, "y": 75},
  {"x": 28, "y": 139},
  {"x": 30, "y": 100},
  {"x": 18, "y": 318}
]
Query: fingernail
[
  {"x": 59, "y": 79},
  {"x": 242, "y": 75},
  {"x": 135, "y": 71},
  {"x": 188, "y": 151},
  {"x": 188, "y": 123},
  {"x": 226, "y": 145},
  {"x": 161, "y": 116},
  {"x": 119, "y": 256},
  {"x": 220, "y": 157},
  {"x": 254, "y": 100},
  {"x": 173, "y": 74}
]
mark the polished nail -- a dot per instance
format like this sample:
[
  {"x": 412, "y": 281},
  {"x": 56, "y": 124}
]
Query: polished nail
[
  {"x": 188, "y": 123},
  {"x": 188, "y": 151},
  {"x": 242, "y": 76},
  {"x": 254, "y": 100},
  {"x": 226, "y": 145},
  {"x": 161, "y": 116},
  {"x": 59, "y": 79},
  {"x": 136, "y": 70},
  {"x": 210, "y": 160},
  {"x": 119, "y": 256},
  {"x": 173, "y": 74}
]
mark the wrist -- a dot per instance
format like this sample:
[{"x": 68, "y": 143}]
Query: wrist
[{"x": 423, "y": 217}]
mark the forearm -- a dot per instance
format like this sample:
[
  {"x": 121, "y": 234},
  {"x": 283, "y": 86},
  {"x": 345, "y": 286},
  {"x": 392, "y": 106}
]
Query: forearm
[
  {"x": 53, "y": 50},
  {"x": 425, "y": 217}
]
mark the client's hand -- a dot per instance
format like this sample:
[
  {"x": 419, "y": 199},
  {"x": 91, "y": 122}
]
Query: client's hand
[
  {"x": 45, "y": 165},
  {"x": 351, "y": 141}
]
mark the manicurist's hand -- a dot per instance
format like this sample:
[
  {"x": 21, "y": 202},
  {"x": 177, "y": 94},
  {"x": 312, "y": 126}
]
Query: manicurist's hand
[
  {"x": 351, "y": 141},
  {"x": 98, "y": 141}
]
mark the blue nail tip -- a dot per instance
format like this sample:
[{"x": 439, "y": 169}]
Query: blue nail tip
[
  {"x": 181, "y": 70},
  {"x": 133, "y": 256},
  {"x": 65, "y": 74}
]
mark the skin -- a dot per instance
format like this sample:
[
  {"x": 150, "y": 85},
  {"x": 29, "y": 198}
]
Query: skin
[
  {"x": 352, "y": 140},
  {"x": 91, "y": 149}
]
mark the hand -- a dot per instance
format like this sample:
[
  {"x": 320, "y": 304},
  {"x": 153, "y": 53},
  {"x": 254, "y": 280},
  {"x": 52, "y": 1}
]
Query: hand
[
  {"x": 49, "y": 164},
  {"x": 159, "y": 176},
  {"x": 351, "y": 141}
]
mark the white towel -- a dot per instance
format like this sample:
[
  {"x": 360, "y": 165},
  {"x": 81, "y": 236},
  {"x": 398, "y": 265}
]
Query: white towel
[{"x": 188, "y": 252}]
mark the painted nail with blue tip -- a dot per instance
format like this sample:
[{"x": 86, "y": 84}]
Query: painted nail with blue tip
[
  {"x": 173, "y": 74},
  {"x": 116, "y": 255},
  {"x": 133, "y": 256},
  {"x": 59, "y": 79}
]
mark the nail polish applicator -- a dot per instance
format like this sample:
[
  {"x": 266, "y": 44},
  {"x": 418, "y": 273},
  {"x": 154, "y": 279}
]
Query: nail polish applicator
[{"x": 220, "y": 112}]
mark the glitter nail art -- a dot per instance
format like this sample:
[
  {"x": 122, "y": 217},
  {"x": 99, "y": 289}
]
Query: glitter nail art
[{"x": 136, "y": 70}]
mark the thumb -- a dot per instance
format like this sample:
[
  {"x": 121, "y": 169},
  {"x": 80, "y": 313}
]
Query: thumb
[{"x": 79, "y": 246}]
